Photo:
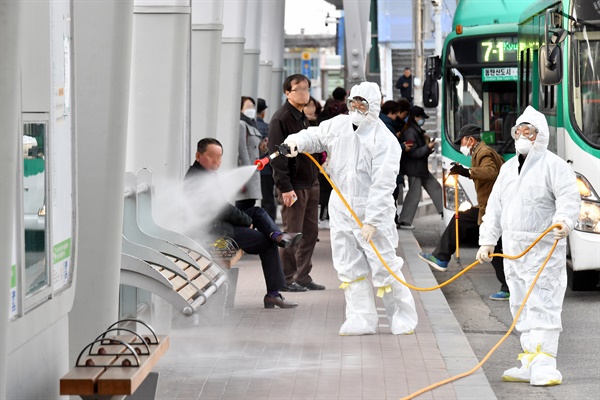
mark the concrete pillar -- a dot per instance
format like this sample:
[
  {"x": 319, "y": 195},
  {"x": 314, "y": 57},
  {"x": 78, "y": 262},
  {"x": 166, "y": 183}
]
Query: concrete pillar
[
  {"x": 230, "y": 81},
  {"x": 252, "y": 49},
  {"x": 159, "y": 77},
  {"x": 9, "y": 126},
  {"x": 387, "y": 70},
  {"x": 102, "y": 51},
  {"x": 265, "y": 67},
  {"x": 277, "y": 54},
  {"x": 357, "y": 17},
  {"x": 207, "y": 27}
]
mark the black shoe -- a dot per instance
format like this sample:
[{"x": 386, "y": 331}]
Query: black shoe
[
  {"x": 279, "y": 301},
  {"x": 287, "y": 239},
  {"x": 405, "y": 225},
  {"x": 312, "y": 286},
  {"x": 293, "y": 287}
]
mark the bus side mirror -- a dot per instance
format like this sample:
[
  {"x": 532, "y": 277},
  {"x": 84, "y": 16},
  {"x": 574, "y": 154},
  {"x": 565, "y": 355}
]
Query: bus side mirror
[
  {"x": 551, "y": 61},
  {"x": 433, "y": 72},
  {"x": 551, "y": 70}
]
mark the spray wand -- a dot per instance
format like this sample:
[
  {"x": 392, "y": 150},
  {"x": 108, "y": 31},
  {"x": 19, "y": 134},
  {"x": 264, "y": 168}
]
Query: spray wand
[{"x": 282, "y": 150}]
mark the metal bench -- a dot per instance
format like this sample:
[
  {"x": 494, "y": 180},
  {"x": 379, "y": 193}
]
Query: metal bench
[
  {"x": 116, "y": 364},
  {"x": 165, "y": 263}
]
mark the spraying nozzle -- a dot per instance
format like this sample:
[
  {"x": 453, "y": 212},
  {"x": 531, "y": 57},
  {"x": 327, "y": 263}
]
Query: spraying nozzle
[{"x": 282, "y": 150}]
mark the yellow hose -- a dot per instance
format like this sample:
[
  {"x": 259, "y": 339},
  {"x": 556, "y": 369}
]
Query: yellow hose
[
  {"x": 359, "y": 222},
  {"x": 512, "y": 326},
  {"x": 456, "y": 215},
  {"x": 516, "y": 318}
]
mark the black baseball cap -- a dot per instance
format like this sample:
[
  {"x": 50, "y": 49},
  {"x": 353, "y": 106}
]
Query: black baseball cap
[
  {"x": 468, "y": 130},
  {"x": 417, "y": 111}
]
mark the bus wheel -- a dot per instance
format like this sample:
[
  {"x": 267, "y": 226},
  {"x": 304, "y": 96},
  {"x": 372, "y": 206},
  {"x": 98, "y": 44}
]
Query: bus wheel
[{"x": 582, "y": 280}]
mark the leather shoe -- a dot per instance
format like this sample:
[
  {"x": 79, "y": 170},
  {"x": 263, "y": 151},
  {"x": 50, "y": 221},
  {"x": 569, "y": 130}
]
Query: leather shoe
[
  {"x": 279, "y": 301},
  {"x": 293, "y": 287},
  {"x": 287, "y": 239},
  {"x": 312, "y": 286}
]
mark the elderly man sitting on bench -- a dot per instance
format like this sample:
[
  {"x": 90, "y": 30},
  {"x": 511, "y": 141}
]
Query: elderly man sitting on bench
[{"x": 253, "y": 230}]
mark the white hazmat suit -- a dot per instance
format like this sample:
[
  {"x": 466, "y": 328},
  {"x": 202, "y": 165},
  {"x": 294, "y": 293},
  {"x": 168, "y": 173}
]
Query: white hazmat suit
[
  {"x": 363, "y": 164},
  {"x": 521, "y": 206}
]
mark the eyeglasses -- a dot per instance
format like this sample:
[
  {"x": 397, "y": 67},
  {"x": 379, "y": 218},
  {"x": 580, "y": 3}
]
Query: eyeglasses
[
  {"x": 525, "y": 129},
  {"x": 300, "y": 90},
  {"x": 358, "y": 104}
]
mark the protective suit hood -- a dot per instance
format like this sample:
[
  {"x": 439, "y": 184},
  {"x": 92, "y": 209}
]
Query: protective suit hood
[
  {"x": 537, "y": 119},
  {"x": 371, "y": 92}
]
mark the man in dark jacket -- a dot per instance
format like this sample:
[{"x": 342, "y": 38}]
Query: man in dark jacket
[
  {"x": 414, "y": 164},
  {"x": 253, "y": 230},
  {"x": 297, "y": 182},
  {"x": 485, "y": 167},
  {"x": 405, "y": 85}
]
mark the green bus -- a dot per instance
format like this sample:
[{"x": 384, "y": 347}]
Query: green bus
[{"x": 504, "y": 55}]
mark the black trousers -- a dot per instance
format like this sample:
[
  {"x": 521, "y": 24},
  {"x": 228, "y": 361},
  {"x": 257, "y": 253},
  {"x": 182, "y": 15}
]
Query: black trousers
[
  {"x": 267, "y": 186},
  {"x": 468, "y": 232},
  {"x": 258, "y": 241}
]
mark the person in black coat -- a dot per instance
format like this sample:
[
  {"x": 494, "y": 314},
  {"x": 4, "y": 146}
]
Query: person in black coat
[
  {"x": 252, "y": 229},
  {"x": 414, "y": 164},
  {"x": 405, "y": 85}
]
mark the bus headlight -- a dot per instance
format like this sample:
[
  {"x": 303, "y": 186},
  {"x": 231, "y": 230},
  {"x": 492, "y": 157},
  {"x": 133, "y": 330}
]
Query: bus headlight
[
  {"x": 464, "y": 203},
  {"x": 589, "y": 216},
  {"x": 589, "y": 213}
]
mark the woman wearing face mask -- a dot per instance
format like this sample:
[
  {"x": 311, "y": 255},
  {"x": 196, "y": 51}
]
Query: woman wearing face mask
[
  {"x": 414, "y": 164},
  {"x": 248, "y": 152}
]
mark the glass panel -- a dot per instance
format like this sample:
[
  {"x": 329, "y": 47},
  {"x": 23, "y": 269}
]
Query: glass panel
[
  {"x": 467, "y": 95},
  {"x": 586, "y": 90},
  {"x": 34, "y": 207}
]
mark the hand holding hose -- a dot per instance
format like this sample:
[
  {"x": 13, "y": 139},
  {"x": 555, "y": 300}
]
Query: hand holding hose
[
  {"x": 562, "y": 231},
  {"x": 483, "y": 254},
  {"x": 292, "y": 148}
]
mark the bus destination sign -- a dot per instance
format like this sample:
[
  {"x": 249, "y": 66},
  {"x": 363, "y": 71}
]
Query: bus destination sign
[{"x": 499, "y": 74}]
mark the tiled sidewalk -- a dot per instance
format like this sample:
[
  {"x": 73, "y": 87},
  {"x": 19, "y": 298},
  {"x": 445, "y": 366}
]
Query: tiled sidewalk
[{"x": 248, "y": 352}]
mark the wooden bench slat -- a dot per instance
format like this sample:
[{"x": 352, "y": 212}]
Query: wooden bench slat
[
  {"x": 187, "y": 292},
  {"x": 201, "y": 282},
  {"x": 167, "y": 274},
  {"x": 125, "y": 380},
  {"x": 178, "y": 282},
  {"x": 80, "y": 380},
  {"x": 204, "y": 263},
  {"x": 191, "y": 272}
]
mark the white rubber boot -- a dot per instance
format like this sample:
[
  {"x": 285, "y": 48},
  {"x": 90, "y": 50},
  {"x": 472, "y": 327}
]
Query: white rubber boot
[
  {"x": 400, "y": 309},
  {"x": 518, "y": 374},
  {"x": 361, "y": 314},
  {"x": 544, "y": 372}
]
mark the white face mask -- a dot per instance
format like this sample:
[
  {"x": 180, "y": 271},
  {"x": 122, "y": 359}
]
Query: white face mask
[
  {"x": 250, "y": 113},
  {"x": 523, "y": 145},
  {"x": 465, "y": 150},
  {"x": 357, "y": 118}
]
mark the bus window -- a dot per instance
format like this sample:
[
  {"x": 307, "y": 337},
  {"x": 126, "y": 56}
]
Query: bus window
[{"x": 587, "y": 95}]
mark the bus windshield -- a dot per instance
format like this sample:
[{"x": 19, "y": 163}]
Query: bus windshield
[
  {"x": 585, "y": 90},
  {"x": 481, "y": 89}
]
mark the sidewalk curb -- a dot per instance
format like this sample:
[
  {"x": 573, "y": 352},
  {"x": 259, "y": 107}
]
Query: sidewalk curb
[{"x": 452, "y": 342}]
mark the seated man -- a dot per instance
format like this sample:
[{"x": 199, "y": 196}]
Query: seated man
[{"x": 253, "y": 230}]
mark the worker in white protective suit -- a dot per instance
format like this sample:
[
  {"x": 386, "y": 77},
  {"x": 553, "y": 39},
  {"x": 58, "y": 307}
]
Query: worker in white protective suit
[
  {"x": 363, "y": 161},
  {"x": 533, "y": 191}
]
